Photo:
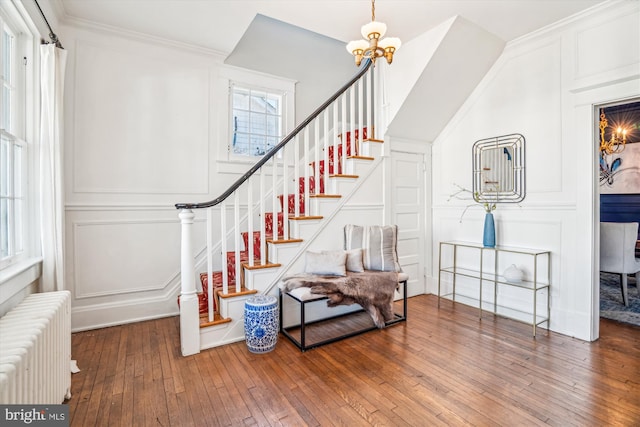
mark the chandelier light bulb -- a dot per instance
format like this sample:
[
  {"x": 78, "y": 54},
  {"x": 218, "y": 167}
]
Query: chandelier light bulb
[
  {"x": 373, "y": 30},
  {"x": 390, "y": 42},
  {"x": 357, "y": 46}
]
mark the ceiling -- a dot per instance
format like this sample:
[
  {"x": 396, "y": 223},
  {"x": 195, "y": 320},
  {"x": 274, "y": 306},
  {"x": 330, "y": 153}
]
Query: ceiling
[
  {"x": 219, "y": 25},
  {"x": 296, "y": 39}
]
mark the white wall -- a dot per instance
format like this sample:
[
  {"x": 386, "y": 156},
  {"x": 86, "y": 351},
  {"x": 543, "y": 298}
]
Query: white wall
[
  {"x": 139, "y": 121},
  {"x": 544, "y": 86}
]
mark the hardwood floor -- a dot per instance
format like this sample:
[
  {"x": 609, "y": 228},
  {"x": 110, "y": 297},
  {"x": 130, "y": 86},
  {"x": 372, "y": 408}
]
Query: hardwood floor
[{"x": 442, "y": 367}]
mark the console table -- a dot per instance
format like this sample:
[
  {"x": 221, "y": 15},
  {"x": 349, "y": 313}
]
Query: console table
[{"x": 484, "y": 264}]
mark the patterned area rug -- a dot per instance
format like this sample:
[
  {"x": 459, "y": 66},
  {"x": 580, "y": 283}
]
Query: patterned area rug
[{"x": 611, "y": 306}]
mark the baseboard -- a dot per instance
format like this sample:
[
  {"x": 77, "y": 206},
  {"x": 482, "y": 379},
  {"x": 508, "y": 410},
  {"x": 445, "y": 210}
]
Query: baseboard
[{"x": 120, "y": 312}]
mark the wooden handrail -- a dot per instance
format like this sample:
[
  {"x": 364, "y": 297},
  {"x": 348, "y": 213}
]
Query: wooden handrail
[{"x": 277, "y": 148}]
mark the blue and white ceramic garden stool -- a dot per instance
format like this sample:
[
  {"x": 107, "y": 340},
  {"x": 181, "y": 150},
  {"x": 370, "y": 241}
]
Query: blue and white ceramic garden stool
[{"x": 261, "y": 323}]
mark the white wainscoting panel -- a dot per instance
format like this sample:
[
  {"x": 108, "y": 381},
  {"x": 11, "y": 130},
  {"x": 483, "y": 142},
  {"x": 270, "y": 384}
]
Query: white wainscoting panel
[
  {"x": 141, "y": 124},
  {"x": 598, "y": 48},
  {"x": 124, "y": 256}
]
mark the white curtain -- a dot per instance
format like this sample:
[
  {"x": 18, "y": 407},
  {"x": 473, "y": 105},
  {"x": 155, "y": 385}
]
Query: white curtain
[{"x": 52, "y": 68}]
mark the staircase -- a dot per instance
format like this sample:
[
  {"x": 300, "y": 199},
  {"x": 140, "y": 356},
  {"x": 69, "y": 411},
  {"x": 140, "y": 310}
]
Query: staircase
[{"x": 258, "y": 230}]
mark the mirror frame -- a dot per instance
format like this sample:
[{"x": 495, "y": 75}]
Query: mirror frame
[{"x": 503, "y": 158}]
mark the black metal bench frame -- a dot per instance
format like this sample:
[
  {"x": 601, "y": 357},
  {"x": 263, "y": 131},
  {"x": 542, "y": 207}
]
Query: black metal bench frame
[{"x": 302, "y": 344}]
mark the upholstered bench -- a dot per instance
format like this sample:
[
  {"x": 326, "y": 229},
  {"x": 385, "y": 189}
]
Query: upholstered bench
[{"x": 366, "y": 273}]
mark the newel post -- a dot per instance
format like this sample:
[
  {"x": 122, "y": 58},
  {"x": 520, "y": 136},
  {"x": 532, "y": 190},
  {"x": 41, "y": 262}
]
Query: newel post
[{"x": 189, "y": 321}]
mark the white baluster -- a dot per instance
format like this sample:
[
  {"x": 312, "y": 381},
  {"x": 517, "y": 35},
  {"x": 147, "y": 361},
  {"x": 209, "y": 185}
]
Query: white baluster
[
  {"x": 263, "y": 234},
  {"x": 296, "y": 170},
  {"x": 223, "y": 247},
  {"x": 316, "y": 156},
  {"x": 370, "y": 130},
  {"x": 325, "y": 156},
  {"x": 352, "y": 125},
  {"x": 236, "y": 234},
  {"x": 189, "y": 319},
  {"x": 210, "y": 264},
  {"x": 378, "y": 124},
  {"x": 285, "y": 186},
  {"x": 356, "y": 143},
  {"x": 334, "y": 139},
  {"x": 274, "y": 197},
  {"x": 343, "y": 132},
  {"x": 249, "y": 249},
  {"x": 306, "y": 170}
]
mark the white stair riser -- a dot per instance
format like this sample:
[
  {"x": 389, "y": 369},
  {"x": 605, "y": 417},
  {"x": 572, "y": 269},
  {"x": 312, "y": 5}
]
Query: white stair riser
[
  {"x": 324, "y": 206},
  {"x": 261, "y": 279},
  {"x": 357, "y": 166},
  {"x": 304, "y": 229},
  {"x": 226, "y": 333},
  {"x": 341, "y": 186},
  {"x": 282, "y": 253},
  {"x": 371, "y": 149}
]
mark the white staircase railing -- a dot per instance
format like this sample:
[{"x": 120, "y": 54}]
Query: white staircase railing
[{"x": 327, "y": 138}]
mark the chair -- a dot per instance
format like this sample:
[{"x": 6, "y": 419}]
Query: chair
[{"x": 617, "y": 252}]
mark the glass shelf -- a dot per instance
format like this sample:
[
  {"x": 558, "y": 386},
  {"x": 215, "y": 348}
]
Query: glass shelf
[
  {"x": 526, "y": 284},
  {"x": 536, "y": 259}
]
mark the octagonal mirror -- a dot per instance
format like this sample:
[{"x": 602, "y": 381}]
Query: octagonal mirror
[{"x": 498, "y": 169}]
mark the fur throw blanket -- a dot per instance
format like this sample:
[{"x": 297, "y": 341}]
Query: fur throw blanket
[{"x": 373, "y": 290}]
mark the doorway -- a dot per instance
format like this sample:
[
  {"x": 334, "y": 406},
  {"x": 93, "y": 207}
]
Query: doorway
[
  {"x": 618, "y": 196},
  {"x": 407, "y": 201}
]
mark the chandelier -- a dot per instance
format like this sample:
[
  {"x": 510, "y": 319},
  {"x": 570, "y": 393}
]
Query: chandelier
[
  {"x": 373, "y": 46},
  {"x": 617, "y": 141}
]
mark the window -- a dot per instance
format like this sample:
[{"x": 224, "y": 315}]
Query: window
[
  {"x": 257, "y": 120},
  {"x": 14, "y": 150}
]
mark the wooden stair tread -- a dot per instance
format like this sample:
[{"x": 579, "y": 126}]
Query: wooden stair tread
[
  {"x": 258, "y": 266},
  {"x": 306, "y": 217},
  {"x": 325, "y": 196},
  {"x": 361, "y": 157},
  {"x": 344, "y": 176},
  {"x": 243, "y": 291},
  {"x": 372, "y": 140},
  {"x": 217, "y": 320},
  {"x": 282, "y": 241}
]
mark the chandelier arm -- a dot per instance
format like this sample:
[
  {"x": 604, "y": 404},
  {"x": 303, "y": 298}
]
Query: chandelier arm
[{"x": 614, "y": 144}]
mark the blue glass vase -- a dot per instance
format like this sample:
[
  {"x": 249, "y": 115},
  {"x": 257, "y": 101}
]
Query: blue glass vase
[{"x": 489, "y": 237}]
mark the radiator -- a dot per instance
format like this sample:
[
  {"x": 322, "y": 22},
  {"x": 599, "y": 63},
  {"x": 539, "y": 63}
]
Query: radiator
[{"x": 35, "y": 350}]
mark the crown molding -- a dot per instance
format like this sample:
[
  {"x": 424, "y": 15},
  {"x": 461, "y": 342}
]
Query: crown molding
[
  {"x": 596, "y": 10},
  {"x": 86, "y": 24}
]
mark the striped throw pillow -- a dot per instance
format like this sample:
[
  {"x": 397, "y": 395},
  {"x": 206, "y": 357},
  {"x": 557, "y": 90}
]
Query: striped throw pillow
[{"x": 378, "y": 245}]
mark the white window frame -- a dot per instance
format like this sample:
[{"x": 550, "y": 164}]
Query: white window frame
[
  {"x": 228, "y": 162},
  {"x": 270, "y": 137},
  {"x": 21, "y": 135}
]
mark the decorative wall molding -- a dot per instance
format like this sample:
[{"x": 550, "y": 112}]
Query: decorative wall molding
[
  {"x": 81, "y": 207},
  {"x": 566, "y": 23},
  {"x": 79, "y": 283},
  {"x": 96, "y": 27},
  {"x": 122, "y": 312},
  {"x": 172, "y": 103}
]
